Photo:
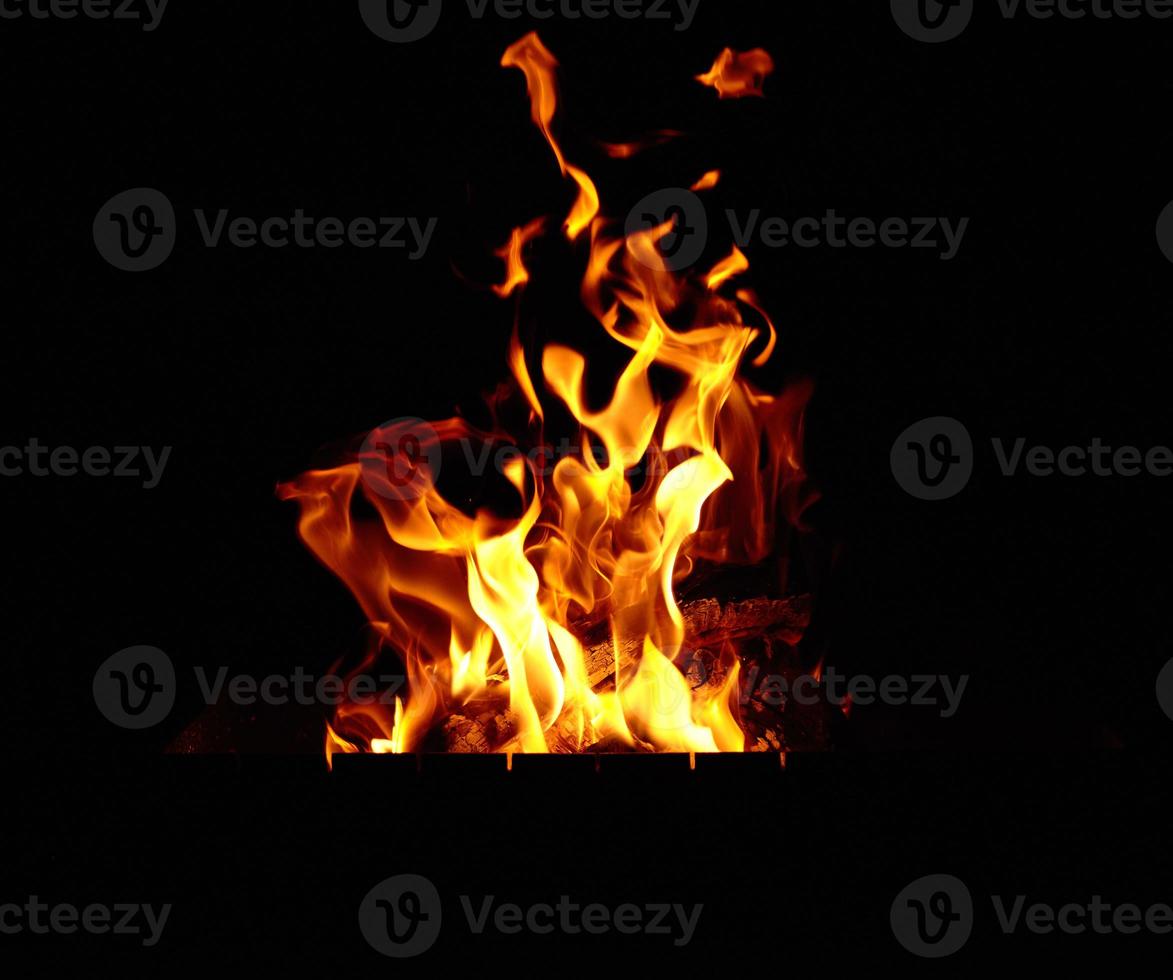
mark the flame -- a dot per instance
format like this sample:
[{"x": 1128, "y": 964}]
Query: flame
[
  {"x": 736, "y": 74},
  {"x": 539, "y": 67},
  {"x": 708, "y": 181},
  {"x": 727, "y": 268},
  {"x": 624, "y": 151},
  {"x": 511, "y": 252},
  {"x": 490, "y": 615}
]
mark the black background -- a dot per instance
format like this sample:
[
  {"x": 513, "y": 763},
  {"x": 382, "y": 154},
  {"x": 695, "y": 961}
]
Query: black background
[{"x": 1050, "y": 324}]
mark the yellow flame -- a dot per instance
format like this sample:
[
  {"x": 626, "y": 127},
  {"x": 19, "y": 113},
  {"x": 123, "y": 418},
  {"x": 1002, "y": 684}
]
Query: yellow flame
[{"x": 488, "y": 613}]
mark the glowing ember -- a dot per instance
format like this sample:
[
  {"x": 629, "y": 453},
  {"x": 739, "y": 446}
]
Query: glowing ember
[{"x": 490, "y": 615}]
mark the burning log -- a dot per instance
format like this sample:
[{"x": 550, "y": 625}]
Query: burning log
[
  {"x": 490, "y": 731},
  {"x": 613, "y": 745},
  {"x": 708, "y": 624},
  {"x": 706, "y": 618},
  {"x": 466, "y": 735}
]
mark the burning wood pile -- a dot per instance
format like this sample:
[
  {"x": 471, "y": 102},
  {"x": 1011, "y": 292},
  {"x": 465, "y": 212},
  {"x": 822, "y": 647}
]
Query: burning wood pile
[
  {"x": 558, "y": 629},
  {"x": 769, "y": 629}
]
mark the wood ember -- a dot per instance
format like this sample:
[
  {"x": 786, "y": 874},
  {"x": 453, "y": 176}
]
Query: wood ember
[
  {"x": 504, "y": 727},
  {"x": 768, "y": 631},
  {"x": 704, "y": 669},
  {"x": 562, "y": 738},
  {"x": 768, "y": 741},
  {"x": 467, "y": 735},
  {"x": 486, "y": 732},
  {"x": 600, "y": 659},
  {"x": 613, "y": 744},
  {"x": 706, "y": 617},
  {"x": 708, "y": 624}
]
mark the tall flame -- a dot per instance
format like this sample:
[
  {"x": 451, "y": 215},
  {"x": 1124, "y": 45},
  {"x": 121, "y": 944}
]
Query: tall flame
[
  {"x": 539, "y": 66},
  {"x": 490, "y": 614}
]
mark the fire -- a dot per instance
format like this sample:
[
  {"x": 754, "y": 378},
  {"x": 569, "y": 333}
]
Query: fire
[
  {"x": 736, "y": 74},
  {"x": 490, "y": 614},
  {"x": 539, "y": 66},
  {"x": 708, "y": 181},
  {"x": 623, "y": 151}
]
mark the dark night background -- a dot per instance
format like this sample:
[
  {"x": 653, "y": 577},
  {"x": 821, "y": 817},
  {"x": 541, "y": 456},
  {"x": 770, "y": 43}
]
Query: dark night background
[{"x": 1051, "y": 323}]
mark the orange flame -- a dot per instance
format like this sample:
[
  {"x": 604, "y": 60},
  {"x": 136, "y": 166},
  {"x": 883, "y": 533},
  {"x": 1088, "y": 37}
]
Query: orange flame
[
  {"x": 736, "y": 74},
  {"x": 708, "y": 181},
  {"x": 490, "y": 615},
  {"x": 539, "y": 66},
  {"x": 511, "y": 252},
  {"x": 624, "y": 151},
  {"x": 728, "y": 268}
]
